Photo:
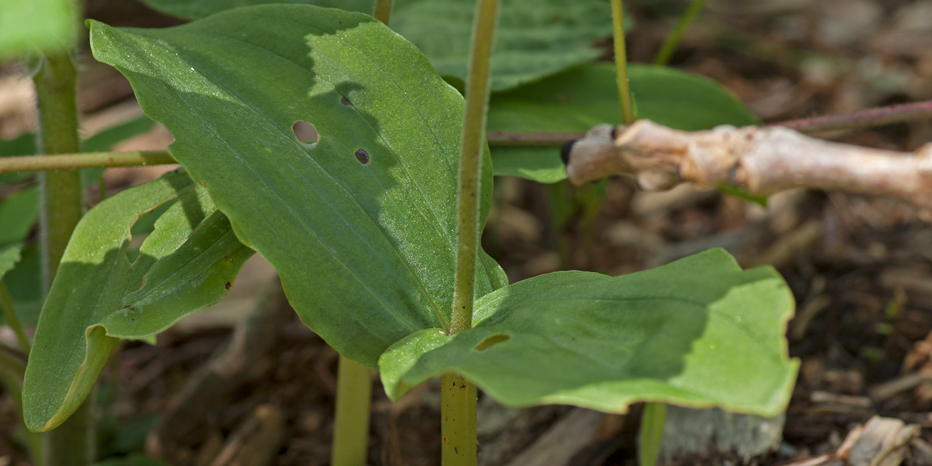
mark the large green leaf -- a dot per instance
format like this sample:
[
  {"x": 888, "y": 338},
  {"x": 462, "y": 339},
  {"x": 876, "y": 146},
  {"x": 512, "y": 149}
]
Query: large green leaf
[
  {"x": 187, "y": 263},
  {"x": 697, "y": 332},
  {"x": 534, "y": 38},
  {"x": 360, "y": 225},
  {"x": 581, "y": 98},
  {"x": 18, "y": 213},
  {"x": 27, "y": 25}
]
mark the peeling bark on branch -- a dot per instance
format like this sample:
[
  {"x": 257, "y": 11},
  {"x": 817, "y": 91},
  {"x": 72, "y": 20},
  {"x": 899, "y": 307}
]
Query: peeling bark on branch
[{"x": 759, "y": 160}]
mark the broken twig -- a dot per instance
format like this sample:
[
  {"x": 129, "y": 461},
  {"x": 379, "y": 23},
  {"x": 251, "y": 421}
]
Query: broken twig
[{"x": 758, "y": 160}]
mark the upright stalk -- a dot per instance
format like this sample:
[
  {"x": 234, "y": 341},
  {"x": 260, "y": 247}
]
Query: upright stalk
[
  {"x": 62, "y": 203},
  {"x": 621, "y": 61},
  {"x": 669, "y": 45},
  {"x": 383, "y": 10},
  {"x": 351, "y": 425},
  {"x": 655, "y": 413},
  {"x": 458, "y": 395},
  {"x": 12, "y": 319}
]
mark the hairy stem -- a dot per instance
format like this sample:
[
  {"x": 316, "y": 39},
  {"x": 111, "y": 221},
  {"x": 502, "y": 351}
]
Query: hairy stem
[
  {"x": 458, "y": 397},
  {"x": 351, "y": 425},
  {"x": 621, "y": 61},
  {"x": 383, "y": 10},
  {"x": 669, "y": 45},
  {"x": 62, "y": 205},
  {"x": 84, "y": 160},
  {"x": 12, "y": 319}
]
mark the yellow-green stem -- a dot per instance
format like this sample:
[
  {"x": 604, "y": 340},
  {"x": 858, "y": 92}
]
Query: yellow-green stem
[
  {"x": 651, "y": 433},
  {"x": 84, "y": 160},
  {"x": 351, "y": 425},
  {"x": 9, "y": 313},
  {"x": 669, "y": 45},
  {"x": 621, "y": 61},
  {"x": 383, "y": 10},
  {"x": 458, "y": 421},
  {"x": 71, "y": 443},
  {"x": 458, "y": 396}
]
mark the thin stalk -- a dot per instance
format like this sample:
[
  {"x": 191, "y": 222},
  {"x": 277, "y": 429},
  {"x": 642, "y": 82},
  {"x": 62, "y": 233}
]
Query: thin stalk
[
  {"x": 9, "y": 313},
  {"x": 12, "y": 365},
  {"x": 621, "y": 61},
  {"x": 862, "y": 119},
  {"x": 351, "y": 426},
  {"x": 84, "y": 160},
  {"x": 651, "y": 433},
  {"x": 458, "y": 395},
  {"x": 383, "y": 10},
  {"x": 669, "y": 45},
  {"x": 62, "y": 205}
]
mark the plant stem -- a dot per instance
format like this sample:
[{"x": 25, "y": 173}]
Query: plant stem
[
  {"x": 62, "y": 204},
  {"x": 84, "y": 160},
  {"x": 468, "y": 198},
  {"x": 861, "y": 119},
  {"x": 351, "y": 427},
  {"x": 530, "y": 138},
  {"x": 621, "y": 61},
  {"x": 12, "y": 365},
  {"x": 383, "y": 10},
  {"x": 458, "y": 420},
  {"x": 669, "y": 45},
  {"x": 651, "y": 433},
  {"x": 9, "y": 313},
  {"x": 458, "y": 395}
]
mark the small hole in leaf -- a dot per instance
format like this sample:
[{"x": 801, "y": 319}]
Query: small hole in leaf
[
  {"x": 305, "y": 133},
  {"x": 362, "y": 156},
  {"x": 344, "y": 101},
  {"x": 492, "y": 340}
]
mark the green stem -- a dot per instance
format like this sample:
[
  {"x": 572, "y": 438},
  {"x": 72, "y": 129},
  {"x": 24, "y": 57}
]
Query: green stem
[
  {"x": 621, "y": 61},
  {"x": 458, "y": 395},
  {"x": 383, "y": 10},
  {"x": 62, "y": 205},
  {"x": 9, "y": 313},
  {"x": 651, "y": 433},
  {"x": 12, "y": 365},
  {"x": 458, "y": 420},
  {"x": 669, "y": 45},
  {"x": 85, "y": 160},
  {"x": 351, "y": 426}
]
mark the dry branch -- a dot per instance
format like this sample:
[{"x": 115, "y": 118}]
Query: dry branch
[{"x": 759, "y": 160}]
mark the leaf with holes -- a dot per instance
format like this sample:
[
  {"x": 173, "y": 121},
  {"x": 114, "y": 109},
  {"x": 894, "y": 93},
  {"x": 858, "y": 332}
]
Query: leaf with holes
[
  {"x": 579, "y": 99},
  {"x": 698, "y": 332},
  {"x": 99, "y": 296},
  {"x": 360, "y": 224}
]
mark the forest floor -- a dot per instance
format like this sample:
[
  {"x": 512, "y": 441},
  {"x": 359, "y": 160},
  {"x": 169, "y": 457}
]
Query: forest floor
[{"x": 860, "y": 267}]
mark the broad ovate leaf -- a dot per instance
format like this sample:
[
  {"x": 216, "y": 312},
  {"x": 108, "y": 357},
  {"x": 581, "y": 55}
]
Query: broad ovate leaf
[
  {"x": 579, "y": 99},
  {"x": 359, "y": 225},
  {"x": 30, "y": 25},
  {"x": 534, "y": 38},
  {"x": 9, "y": 256},
  {"x": 99, "y": 296},
  {"x": 698, "y": 332}
]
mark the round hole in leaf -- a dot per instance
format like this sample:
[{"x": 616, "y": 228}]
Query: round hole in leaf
[
  {"x": 362, "y": 156},
  {"x": 491, "y": 340},
  {"x": 305, "y": 133},
  {"x": 344, "y": 101}
]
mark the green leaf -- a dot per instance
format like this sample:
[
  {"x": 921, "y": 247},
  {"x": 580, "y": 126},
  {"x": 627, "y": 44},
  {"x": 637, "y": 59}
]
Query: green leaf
[
  {"x": 197, "y": 9},
  {"x": 27, "y": 25},
  {"x": 534, "y": 38},
  {"x": 184, "y": 265},
  {"x": 698, "y": 332},
  {"x": 24, "y": 283},
  {"x": 24, "y": 144},
  {"x": 364, "y": 244},
  {"x": 579, "y": 99},
  {"x": 18, "y": 213},
  {"x": 9, "y": 256}
]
